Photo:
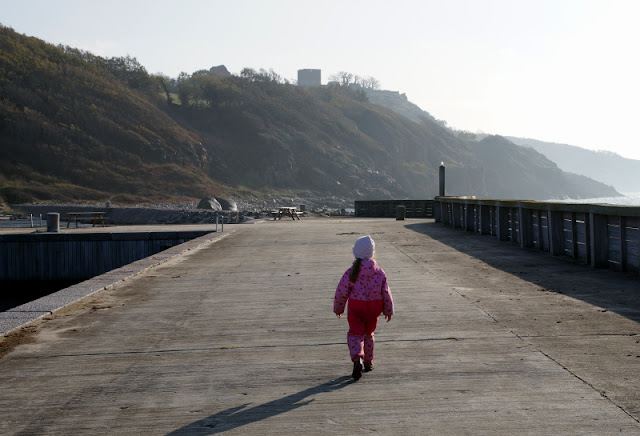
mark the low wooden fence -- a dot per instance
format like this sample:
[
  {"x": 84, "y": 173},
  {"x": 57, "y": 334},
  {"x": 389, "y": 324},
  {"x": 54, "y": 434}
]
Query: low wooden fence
[
  {"x": 603, "y": 236},
  {"x": 387, "y": 208}
]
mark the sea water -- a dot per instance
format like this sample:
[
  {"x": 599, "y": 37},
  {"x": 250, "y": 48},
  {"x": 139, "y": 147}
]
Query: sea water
[
  {"x": 27, "y": 223},
  {"x": 627, "y": 199},
  {"x": 19, "y": 223}
]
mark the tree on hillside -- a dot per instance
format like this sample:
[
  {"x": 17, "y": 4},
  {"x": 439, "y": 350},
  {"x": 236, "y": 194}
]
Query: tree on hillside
[
  {"x": 346, "y": 79},
  {"x": 370, "y": 83},
  {"x": 261, "y": 76},
  {"x": 78, "y": 53},
  {"x": 166, "y": 83},
  {"x": 248, "y": 73},
  {"x": 465, "y": 134},
  {"x": 220, "y": 92},
  {"x": 129, "y": 71},
  {"x": 185, "y": 88},
  {"x": 126, "y": 69}
]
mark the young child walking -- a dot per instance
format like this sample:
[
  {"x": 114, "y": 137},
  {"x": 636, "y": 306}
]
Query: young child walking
[{"x": 365, "y": 287}]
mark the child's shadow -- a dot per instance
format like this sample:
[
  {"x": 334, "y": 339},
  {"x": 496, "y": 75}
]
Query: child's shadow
[{"x": 239, "y": 416}]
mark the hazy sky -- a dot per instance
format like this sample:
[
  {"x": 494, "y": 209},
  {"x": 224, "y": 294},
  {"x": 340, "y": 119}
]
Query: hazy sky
[{"x": 563, "y": 71}]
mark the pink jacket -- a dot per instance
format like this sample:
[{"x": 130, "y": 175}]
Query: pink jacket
[{"x": 370, "y": 285}]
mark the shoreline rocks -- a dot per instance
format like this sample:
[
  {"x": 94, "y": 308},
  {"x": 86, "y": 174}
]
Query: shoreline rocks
[
  {"x": 209, "y": 203},
  {"x": 233, "y": 210}
]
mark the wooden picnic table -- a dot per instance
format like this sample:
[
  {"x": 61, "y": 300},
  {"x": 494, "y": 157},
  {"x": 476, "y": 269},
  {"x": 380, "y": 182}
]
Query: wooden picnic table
[
  {"x": 94, "y": 217},
  {"x": 290, "y": 211}
]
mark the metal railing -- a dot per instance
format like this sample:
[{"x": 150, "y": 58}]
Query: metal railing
[{"x": 603, "y": 236}]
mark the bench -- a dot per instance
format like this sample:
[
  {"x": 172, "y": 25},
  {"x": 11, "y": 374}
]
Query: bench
[
  {"x": 289, "y": 211},
  {"x": 93, "y": 217}
]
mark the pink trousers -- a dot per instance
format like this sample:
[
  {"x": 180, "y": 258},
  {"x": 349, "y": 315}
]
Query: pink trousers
[{"x": 363, "y": 319}]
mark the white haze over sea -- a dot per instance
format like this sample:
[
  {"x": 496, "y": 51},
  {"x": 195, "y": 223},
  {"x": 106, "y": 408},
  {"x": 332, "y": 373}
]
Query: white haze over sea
[{"x": 627, "y": 199}]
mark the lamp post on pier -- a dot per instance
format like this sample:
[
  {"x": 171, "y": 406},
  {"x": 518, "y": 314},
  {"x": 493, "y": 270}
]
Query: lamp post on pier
[{"x": 441, "y": 191}]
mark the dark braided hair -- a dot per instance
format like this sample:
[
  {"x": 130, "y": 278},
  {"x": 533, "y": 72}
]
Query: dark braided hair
[{"x": 355, "y": 270}]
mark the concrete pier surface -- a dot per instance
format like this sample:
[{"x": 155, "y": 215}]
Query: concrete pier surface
[{"x": 238, "y": 337}]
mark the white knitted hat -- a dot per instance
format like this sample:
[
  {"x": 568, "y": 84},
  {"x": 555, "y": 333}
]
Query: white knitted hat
[{"x": 364, "y": 248}]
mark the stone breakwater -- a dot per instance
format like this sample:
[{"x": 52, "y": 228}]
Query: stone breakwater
[{"x": 187, "y": 213}]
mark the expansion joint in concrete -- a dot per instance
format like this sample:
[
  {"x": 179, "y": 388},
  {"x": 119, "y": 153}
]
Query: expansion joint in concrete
[
  {"x": 588, "y": 335},
  {"x": 603, "y": 394},
  {"x": 403, "y": 252}
]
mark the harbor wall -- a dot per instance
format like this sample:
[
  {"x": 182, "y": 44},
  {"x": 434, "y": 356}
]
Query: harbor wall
[{"x": 79, "y": 256}]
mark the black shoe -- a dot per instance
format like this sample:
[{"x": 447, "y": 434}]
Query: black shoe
[
  {"x": 357, "y": 369},
  {"x": 368, "y": 366}
]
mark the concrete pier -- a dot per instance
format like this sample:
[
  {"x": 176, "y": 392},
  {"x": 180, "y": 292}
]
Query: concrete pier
[{"x": 238, "y": 337}]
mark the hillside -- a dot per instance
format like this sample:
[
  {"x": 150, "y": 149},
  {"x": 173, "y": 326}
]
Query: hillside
[
  {"x": 604, "y": 166},
  {"x": 499, "y": 165},
  {"x": 399, "y": 103},
  {"x": 507, "y": 167},
  {"x": 74, "y": 126}
]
